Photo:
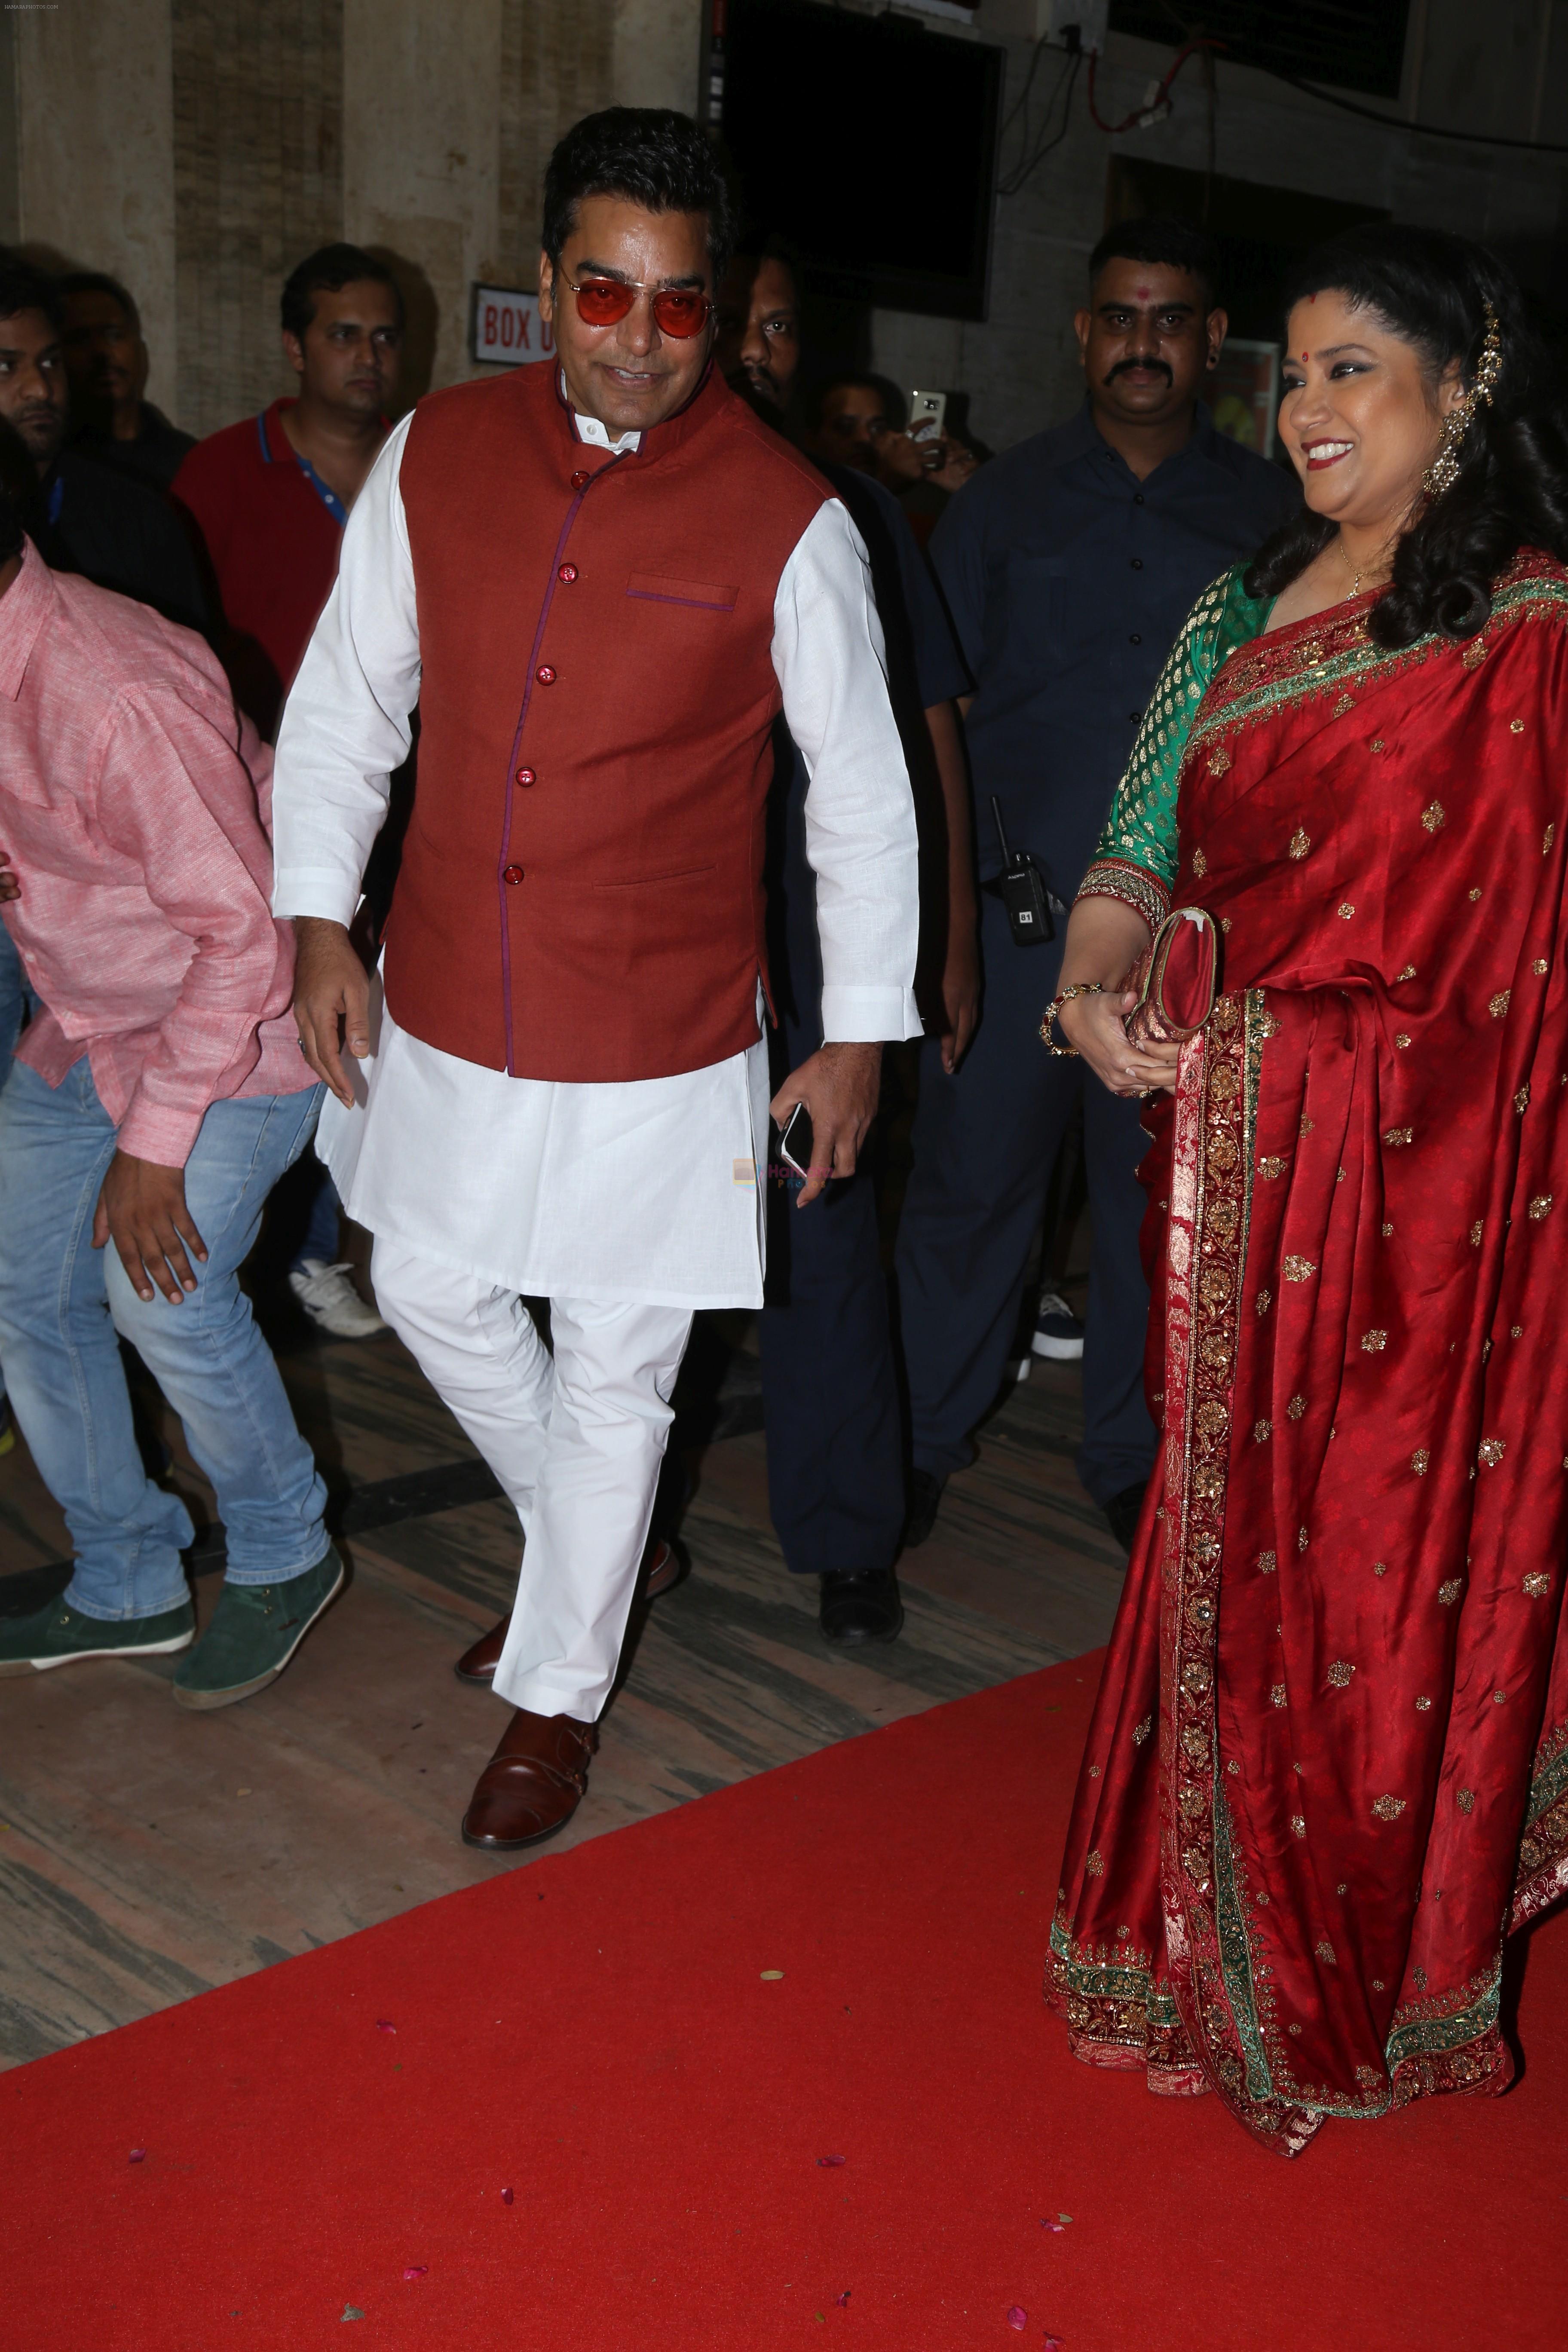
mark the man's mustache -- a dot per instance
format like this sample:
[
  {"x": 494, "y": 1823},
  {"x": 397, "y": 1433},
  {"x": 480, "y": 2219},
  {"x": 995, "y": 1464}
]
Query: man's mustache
[
  {"x": 1150, "y": 365},
  {"x": 745, "y": 377}
]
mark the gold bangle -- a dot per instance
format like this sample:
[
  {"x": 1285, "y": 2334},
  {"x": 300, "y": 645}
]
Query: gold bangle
[{"x": 1065, "y": 996}]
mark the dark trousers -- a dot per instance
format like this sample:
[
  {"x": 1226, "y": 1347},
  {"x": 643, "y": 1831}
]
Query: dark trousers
[
  {"x": 985, "y": 1144},
  {"x": 830, "y": 1391},
  {"x": 836, "y": 1479}
]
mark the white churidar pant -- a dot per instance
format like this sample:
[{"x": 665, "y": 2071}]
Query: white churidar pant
[{"x": 576, "y": 1444}]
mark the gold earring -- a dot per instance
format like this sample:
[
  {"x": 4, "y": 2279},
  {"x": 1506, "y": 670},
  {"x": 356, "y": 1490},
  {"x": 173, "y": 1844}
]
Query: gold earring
[{"x": 1444, "y": 471}]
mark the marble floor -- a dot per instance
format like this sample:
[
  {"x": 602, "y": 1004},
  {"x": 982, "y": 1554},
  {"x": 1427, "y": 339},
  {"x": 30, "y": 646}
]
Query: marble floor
[{"x": 146, "y": 1853}]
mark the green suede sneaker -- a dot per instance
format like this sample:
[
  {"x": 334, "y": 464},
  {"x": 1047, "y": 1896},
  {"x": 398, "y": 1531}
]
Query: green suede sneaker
[
  {"x": 256, "y": 1629},
  {"x": 61, "y": 1636}
]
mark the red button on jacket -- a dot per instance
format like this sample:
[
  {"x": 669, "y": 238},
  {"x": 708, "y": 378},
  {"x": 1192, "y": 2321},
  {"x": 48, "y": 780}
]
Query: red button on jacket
[
  {"x": 526, "y": 776},
  {"x": 567, "y": 574},
  {"x": 544, "y": 674},
  {"x": 511, "y": 873},
  {"x": 581, "y": 481}
]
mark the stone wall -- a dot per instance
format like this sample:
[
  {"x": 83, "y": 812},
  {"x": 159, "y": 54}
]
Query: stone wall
[
  {"x": 198, "y": 147},
  {"x": 1020, "y": 365}
]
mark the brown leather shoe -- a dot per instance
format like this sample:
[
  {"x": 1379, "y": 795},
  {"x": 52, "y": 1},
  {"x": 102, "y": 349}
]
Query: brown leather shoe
[
  {"x": 661, "y": 1569},
  {"x": 533, "y": 1784}
]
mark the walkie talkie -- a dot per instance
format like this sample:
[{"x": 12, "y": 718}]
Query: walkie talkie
[{"x": 1023, "y": 891}]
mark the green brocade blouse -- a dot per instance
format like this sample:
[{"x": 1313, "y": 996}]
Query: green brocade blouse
[{"x": 1136, "y": 859}]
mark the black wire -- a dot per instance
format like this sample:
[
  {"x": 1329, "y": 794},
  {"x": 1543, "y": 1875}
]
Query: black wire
[
  {"x": 1392, "y": 123},
  {"x": 1023, "y": 96},
  {"x": 1006, "y": 186},
  {"x": 1024, "y": 170}
]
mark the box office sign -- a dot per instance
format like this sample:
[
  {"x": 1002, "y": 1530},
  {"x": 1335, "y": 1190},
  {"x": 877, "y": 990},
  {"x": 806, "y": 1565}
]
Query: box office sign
[{"x": 508, "y": 327}]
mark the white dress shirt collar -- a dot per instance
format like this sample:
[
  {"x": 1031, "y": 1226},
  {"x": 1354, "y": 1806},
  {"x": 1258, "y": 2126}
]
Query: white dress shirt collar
[{"x": 597, "y": 437}]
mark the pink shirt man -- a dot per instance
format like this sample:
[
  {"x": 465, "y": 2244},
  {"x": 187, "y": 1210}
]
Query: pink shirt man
[{"x": 135, "y": 812}]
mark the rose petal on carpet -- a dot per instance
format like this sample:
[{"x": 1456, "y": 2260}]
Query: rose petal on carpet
[{"x": 664, "y": 2042}]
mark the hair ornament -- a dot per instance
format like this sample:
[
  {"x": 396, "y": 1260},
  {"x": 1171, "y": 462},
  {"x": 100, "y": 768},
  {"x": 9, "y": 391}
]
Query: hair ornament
[{"x": 1444, "y": 471}]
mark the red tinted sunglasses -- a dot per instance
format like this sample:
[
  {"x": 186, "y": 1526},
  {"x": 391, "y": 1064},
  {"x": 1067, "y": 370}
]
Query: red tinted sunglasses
[{"x": 601, "y": 301}]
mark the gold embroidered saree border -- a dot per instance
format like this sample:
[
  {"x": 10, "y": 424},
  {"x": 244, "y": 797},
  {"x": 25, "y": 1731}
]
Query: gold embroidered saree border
[
  {"x": 1212, "y": 2016},
  {"x": 1117, "y": 1992},
  {"x": 1542, "y": 1875},
  {"x": 1117, "y": 877},
  {"x": 1340, "y": 655},
  {"x": 1206, "y": 1933}
]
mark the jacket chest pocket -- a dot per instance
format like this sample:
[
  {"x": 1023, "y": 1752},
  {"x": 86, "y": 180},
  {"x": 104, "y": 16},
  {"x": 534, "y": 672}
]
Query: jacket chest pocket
[{"x": 699, "y": 596}]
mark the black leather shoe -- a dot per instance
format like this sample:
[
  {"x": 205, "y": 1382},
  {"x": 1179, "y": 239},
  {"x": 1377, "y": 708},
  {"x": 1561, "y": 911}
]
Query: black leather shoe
[
  {"x": 925, "y": 1498},
  {"x": 860, "y": 1608},
  {"x": 1123, "y": 1512}
]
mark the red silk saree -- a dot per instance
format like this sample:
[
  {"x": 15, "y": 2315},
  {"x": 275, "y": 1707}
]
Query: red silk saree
[{"x": 1328, "y": 1769}]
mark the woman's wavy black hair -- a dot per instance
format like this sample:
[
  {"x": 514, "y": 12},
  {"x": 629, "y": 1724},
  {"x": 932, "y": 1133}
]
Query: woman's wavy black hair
[{"x": 1431, "y": 289}]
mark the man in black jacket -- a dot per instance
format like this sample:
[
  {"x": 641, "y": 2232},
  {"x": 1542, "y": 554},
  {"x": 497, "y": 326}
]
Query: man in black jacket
[
  {"x": 1068, "y": 565},
  {"x": 836, "y": 1476},
  {"x": 106, "y": 360},
  {"x": 88, "y": 517}
]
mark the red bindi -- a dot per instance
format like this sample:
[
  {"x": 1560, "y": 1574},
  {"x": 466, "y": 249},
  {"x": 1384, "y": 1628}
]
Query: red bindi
[{"x": 1142, "y": 293}]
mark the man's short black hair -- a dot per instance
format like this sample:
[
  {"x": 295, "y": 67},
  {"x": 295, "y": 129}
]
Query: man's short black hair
[
  {"x": 327, "y": 272},
  {"x": 99, "y": 281},
  {"x": 650, "y": 155},
  {"x": 756, "y": 249},
  {"x": 856, "y": 380},
  {"x": 22, "y": 288},
  {"x": 1163, "y": 243}
]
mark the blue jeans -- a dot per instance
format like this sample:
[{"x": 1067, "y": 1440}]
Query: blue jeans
[
  {"x": 62, "y": 1303},
  {"x": 13, "y": 1001}
]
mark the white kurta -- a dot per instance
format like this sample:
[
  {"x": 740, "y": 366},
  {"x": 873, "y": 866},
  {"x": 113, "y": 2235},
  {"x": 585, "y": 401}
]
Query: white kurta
[{"x": 642, "y": 1192}]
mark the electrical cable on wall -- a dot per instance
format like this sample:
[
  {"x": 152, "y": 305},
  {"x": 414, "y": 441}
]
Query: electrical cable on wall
[
  {"x": 1023, "y": 170},
  {"x": 1159, "y": 105},
  {"x": 1211, "y": 49},
  {"x": 1421, "y": 130}
]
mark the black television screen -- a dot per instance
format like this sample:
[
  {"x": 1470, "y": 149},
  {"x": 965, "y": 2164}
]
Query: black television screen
[{"x": 870, "y": 143}]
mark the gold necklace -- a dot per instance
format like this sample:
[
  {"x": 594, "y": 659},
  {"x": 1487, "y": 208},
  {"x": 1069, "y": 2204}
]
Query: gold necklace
[{"x": 1382, "y": 570}]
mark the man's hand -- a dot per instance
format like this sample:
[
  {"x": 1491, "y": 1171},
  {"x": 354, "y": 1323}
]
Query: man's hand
[
  {"x": 332, "y": 1001},
  {"x": 143, "y": 1208},
  {"x": 960, "y": 993},
  {"x": 957, "y": 467},
  {"x": 839, "y": 1086},
  {"x": 9, "y": 887}
]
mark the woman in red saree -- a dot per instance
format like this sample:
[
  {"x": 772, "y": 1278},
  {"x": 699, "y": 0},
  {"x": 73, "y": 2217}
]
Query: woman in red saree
[{"x": 1328, "y": 1769}]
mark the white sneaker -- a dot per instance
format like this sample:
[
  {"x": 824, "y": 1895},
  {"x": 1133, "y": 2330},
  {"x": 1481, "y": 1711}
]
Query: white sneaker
[
  {"x": 331, "y": 1300},
  {"x": 1058, "y": 1334}
]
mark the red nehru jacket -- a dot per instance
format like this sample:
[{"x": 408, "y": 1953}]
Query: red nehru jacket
[{"x": 581, "y": 892}]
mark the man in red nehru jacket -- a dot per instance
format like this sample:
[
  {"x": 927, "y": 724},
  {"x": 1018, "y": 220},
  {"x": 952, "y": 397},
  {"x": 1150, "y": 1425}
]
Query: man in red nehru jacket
[{"x": 602, "y": 578}]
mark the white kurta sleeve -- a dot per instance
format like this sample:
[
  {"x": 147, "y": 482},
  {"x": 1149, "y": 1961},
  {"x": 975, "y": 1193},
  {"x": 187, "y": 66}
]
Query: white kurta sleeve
[
  {"x": 828, "y": 652},
  {"x": 345, "y": 724}
]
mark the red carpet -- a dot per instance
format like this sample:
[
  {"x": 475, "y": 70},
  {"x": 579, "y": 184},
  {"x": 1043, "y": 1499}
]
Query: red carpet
[{"x": 594, "y": 2032}]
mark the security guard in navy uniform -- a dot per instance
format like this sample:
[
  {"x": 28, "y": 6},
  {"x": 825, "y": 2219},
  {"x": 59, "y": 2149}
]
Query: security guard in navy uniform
[
  {"x": 1068, "y": 565},
  {"x": 836, "y": 1459}
]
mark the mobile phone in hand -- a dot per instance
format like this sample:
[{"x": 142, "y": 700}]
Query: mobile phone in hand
[
  {"x": 795, "y": 1142},
  {"x": 928, "y": 415}
]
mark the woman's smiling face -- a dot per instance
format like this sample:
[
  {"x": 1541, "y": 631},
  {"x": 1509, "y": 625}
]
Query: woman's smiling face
[{"x": 1359, "y": 414}]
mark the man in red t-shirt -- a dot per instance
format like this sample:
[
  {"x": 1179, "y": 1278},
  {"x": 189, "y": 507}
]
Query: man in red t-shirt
[{"x": 270, "y": 497}]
